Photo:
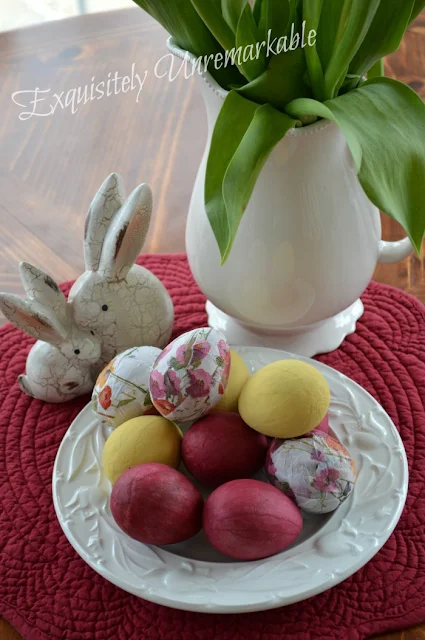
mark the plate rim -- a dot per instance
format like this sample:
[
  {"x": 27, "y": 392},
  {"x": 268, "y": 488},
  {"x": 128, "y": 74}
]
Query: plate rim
[{"x": 178, "y": 602}]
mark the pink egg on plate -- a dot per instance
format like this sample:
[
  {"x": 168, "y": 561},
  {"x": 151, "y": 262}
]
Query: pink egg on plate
[
  {"x": 156, "y": 504},
  {"x": 220, "y": 447},
  {"x": 249, "y": 520}
]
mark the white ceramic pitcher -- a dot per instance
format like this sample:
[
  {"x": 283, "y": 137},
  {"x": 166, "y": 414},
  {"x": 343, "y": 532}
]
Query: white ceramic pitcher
[{"x": 306, "y": 248}]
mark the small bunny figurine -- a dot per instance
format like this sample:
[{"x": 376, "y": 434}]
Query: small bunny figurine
[
  {"x": 125, "y": 304},
  {"x": 65, "y": 361}
]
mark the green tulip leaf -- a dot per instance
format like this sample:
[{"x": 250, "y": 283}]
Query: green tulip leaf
[
  {"x": 377, "y": 70},
  {"x": 232, "y": 10},
  {"x": 384, "y": 35},
  {"x": 417, "y": 9},
  {"x": 267, "y": 128},
  {"x": 256, "y": 11},
  {"x": 182, "y": 21},
  {"x": 352, "y": 31},
  {"x": 275, "y": 17},
  {"x": 283, "y": 81},
  {"x": 211, "y": 14},
  {"x": 333, "y": 14},
  {"x": 233, "y": 121},
  {"x": 312, "y": 10},
  {"x": 253, "y": 61},
  {"x": 384, "y": 125}
]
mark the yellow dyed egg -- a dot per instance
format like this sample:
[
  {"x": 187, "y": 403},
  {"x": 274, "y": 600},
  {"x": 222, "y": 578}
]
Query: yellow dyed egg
[
  {"x": 238, "y": 376},
  {"x": 285, "y": 399},
  {"x": 140, "y": 440}
]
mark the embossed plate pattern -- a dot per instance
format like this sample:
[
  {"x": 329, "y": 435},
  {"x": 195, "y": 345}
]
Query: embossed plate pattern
[{"x": 334, "y": 548}]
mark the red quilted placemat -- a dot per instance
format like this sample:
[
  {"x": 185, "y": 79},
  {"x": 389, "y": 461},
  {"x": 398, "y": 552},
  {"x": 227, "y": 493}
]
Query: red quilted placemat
[{"x": 48, "y": 592}]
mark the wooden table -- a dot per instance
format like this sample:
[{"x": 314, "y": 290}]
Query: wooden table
[{"x": 50, "y": 167}]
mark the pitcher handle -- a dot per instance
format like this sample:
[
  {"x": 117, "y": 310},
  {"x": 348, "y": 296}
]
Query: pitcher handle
[{"x": 394, "y": 251}]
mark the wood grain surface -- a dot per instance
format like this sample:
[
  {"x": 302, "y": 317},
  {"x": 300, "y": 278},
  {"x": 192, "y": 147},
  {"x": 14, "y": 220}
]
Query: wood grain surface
[{"x": 51, "y": 166}]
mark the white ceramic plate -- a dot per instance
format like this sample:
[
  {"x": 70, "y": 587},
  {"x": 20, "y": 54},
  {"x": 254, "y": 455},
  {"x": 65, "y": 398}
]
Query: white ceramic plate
[{"x": 191, "y": 575}]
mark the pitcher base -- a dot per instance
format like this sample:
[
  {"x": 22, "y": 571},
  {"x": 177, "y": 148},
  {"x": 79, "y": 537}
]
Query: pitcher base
[{"x": 308, "y": 342}]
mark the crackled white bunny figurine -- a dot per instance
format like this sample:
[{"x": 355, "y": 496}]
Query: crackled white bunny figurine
[
  {"x": 65, "y": 361},
  {"x": 125, "y": 304}
]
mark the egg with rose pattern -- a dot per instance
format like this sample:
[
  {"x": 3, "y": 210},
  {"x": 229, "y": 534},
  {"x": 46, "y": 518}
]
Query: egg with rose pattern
[
  {"x": 190, "y": 376},
  {"x": 316, "y": 471},
  {"x": 121, "y": 391}
]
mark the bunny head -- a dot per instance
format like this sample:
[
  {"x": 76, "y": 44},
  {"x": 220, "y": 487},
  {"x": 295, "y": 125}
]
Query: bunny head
[
  {"x": 123, "y": 303},
  {"x": 82, "y": 346},
  {"x": 47, "y": 317}
]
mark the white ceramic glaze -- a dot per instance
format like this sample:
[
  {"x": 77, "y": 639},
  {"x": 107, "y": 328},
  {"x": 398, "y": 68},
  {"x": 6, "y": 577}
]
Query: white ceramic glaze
[
  {"x": 125, "y": 304},
  {"x": 307, "y": 245},
  {"x": 192, "y": 575},
  {"x": 64, "y": 361},
  {"x": 322, "y": 337}
]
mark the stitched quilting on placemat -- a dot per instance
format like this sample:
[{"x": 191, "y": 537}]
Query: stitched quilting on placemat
[{"x": 48, "y": 592}]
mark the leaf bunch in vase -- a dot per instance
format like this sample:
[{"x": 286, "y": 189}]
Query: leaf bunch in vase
[{"x": 289, "y": 63}]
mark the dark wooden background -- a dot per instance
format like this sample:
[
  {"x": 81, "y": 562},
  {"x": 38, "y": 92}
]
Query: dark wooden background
[{"x": 51, "y": 167}]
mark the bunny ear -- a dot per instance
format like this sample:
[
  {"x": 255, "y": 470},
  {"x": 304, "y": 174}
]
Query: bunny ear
[
  {"x": 28, "y": 317},
  {"x": 42, "y": 289},
  {"x": 108, "y": 200},
  {"x": 127, "y": 234}
]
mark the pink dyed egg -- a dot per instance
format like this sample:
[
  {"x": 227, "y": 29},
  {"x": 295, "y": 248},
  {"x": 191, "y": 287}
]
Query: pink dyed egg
[
  {"x": 221, "y": 447},
  {"x": 190, "y": 376},
  {"x": 249, "y": 520},
  {"x": 155, "y": 504}
]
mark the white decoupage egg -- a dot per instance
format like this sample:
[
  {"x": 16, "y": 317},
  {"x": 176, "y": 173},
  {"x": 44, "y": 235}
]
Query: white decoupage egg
[
  {"x": 122, "y": 389},
  {"x": 316, "y": 471},
  {"x": 190, "y": 375}
]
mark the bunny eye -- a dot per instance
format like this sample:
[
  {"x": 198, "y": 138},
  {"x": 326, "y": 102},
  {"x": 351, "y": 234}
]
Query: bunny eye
[
  {"x": 105, "y": 307},
  {"x": 77, "y": 352},
  {"x": 92, "y": 332}
]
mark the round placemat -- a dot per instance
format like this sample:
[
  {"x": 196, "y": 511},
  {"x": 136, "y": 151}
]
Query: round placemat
[{"x": 48, "y": 592}]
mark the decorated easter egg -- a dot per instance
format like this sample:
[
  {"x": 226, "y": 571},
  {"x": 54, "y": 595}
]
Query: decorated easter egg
[
  {"x": 316, "y": 472},
  {"x": 122, "y": 389},
  {"x": 155, "y": 504},
  {"x": 285, "y": 399},
  {"x": 221, "y": 447},
  {"x": 144, "y": 439},
  {"x": 249, "y": 520},
  {"x": 238, "y": 376},
  {"x": 190, "y": 375}
]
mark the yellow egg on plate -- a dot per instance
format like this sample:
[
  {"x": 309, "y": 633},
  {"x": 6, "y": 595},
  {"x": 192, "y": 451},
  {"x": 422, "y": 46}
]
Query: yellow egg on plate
[
  {"x": 140, "y": 440},
  {"x": 285, "y": 399},
  {"x": 238, "y": 376}
]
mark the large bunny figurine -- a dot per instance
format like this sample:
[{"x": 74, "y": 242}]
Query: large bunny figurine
[
  {"x": 125, "y": 304},
  {"x": 65, "y": 361}
]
